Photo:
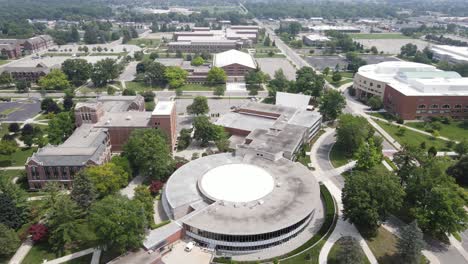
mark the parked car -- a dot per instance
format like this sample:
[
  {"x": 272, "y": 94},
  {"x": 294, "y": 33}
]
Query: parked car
[{"x": 190, "y": 245}]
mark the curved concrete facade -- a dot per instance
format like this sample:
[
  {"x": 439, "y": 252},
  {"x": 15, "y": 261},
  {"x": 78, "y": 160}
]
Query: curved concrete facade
[{"x": 230, "y": 226}]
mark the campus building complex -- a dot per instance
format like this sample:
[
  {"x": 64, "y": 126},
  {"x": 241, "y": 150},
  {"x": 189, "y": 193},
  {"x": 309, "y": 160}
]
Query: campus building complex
[
  {"x": 14, "y": 48},
  {"x": 103, "y": 127},
  {"x": 211, "y": 41},
  {"x": 413, "y": 90},
  {"x": 255, "y": 198},
  {"x": 29, "y": 74},
  {"x": 450, "y": 54}
]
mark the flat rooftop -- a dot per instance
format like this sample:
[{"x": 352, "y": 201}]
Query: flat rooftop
[
  {"x": 164, "y": 108},
  {"x": 295, "y": 195},
  {"x": 126, "y": 119}
]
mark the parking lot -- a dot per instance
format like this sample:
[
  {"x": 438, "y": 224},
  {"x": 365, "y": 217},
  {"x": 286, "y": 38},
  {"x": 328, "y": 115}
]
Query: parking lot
[
  {"x": 374, "y": 59},
  {"x": 178, "y": 255},
  {"x": 270, "y": 65},
  {"x": 322, "y": 62},
  {"x": 391, "y": 46},
  {"x": 19, "y": 110}
]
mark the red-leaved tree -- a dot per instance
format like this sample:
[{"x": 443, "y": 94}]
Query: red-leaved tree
[
  {"x": 38, "y": 232},
  {"x": 155, "y": 187}
]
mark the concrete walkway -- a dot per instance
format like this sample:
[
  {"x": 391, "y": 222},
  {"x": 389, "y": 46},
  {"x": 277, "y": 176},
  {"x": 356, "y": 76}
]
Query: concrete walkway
[
  {"x": 129, "y": 190},
  {"x": 21, "y": 253},
  {"x": 73, "y": 256},
  {"x": 343, "y": 228}
]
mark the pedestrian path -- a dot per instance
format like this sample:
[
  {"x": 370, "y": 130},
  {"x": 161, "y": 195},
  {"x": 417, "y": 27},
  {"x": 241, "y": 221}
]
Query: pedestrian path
[
  {"x": 21, "y": 253},
  {"x": 72, "y": 256}
]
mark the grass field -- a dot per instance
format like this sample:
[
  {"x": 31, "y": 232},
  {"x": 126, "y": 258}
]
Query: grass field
[
  {"x": 4, "y": 62},
  {"x": 16, "y": 159},
  {"x": 37, "y": 253},
  {"x": 334, "y": 250},
  {"x": 141, "y": 87},
  {"x": 197, "y": 87},
  {"x": 379, "y": 36},
  {"x": 413, "y": 138},
  {"x": 455, "y": 130},
  {"x": 148, "y": 43},
  {"x": 338, "y": 157}
]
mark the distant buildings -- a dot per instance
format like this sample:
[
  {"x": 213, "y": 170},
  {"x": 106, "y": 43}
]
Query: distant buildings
[
  {"x": 413, "y": 90},
  {"x": 343, "y": 29},
  {"x": 314, "y": 39},
  {"x": 211, "y": 41},
  {"x": 235, "y": 63},
  {"x": 103, "y": 126},
  {"x": 29, "y": 74},
  {"x": 450, "y": 54},
  {"x": 14, "y": 48}
]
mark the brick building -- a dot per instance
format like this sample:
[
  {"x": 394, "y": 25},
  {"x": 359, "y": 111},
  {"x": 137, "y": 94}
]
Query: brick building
[
  {"x": 235, "y": 63},
  {"x": 103, "y": 126},
  {"x": 29, "y": 74},
  {"x": 14, "y": 48},
  {"x": 10, "y": 48}
]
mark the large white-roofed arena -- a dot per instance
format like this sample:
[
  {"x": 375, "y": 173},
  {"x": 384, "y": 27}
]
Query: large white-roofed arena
[{"x": 240, "y": 203}]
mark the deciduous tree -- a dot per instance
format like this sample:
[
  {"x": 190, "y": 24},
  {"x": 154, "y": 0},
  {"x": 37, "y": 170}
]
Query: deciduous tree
[
  {"x": 331, "y": 104},
  {"x": 119, "y": 223},
  {"x": 410, "y": 243},
  {"x": 199, "y": 106},
  {"x": 148, "y": 153},
  {"x": 107, "y": 178},
  {"x": 216, "y": 76},
  {"x": 83, "y": 192},
  {"x": 78, "y": 71},
  {"x": 55, "y": 80},
  {"x": 9, "y": 241},
  {"x": 60, "y": 128},
  {"x": 176, "y": 76}
]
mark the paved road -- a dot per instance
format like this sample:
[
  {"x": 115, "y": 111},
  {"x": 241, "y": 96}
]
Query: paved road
[{"x": 129, "y": 73}]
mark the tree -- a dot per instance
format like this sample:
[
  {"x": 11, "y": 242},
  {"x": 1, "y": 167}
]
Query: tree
[
  {"x": 22, "y": 86},
  {"x": 197, "y": 61},
  {"x": 129, "y": 91},
  {"x": 410, "y": 243},
  {"x": 199, "y": 106},
  {"x": 267, "y": 41},
  {"x": 38, "y": 232},
  {"x": 352, "y": 132},
  {"x": 432, "y": 151},
  {"x": 143, "y": 195},
  {"x": 156, "y": 187},
  {"x": 374, "y": 50},
  {"x": 148, "y": 152},
  {"x": 8, "y": 147},
  {"x": 68, "y": 103},
  {"x": 176, "y": 76},
  {"x": 104, "y": 71},
  {"x": 279, "y": 83},
  {"x": 154, "y": 73},
  {"x": 462, "y": 147},
  {"x": 326, "y": 71},
  {"x": 63, "y": 221},
  {"x": 369, "y": 197},
  {"x": 368, "y": 155},
  {"x": 90, "y": 35},
  {"x": 184, "y": 139},
  {"x": 54, "y": 80},
  {"x": 433, "y": 198},
  {"x": 119, "y": 223},
  {"x": 206, "y": 131},
  {"x": 83, "y": 192},
  {"x": 60, "y": 128},
  {"x": 10, "y": 214},
  {"x": 308, "y": 82},
  {"x": 331, "y": 104},
  {"x": 5, "y": 78},
  {"x": 78, "y": 71},
  {"x": 9, "y": 241},
  {"x": 13, "y": 127},
  {"x": 219, "y": 90},
  {"x": 336, "y": 77},
  {"x": 48, "y": 105},
  {"x": 349, "y": 251},
  {"x": 459, "y": 171},
  {"x": 107, "y": 178},
  {"x": 216, "y": 76},
  {"x": 74, "y": 35},
  {"x": 375, "y": 102}
]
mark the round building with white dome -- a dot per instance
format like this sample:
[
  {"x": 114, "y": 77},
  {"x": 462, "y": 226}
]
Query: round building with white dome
[{"x": 242, "y": 203}]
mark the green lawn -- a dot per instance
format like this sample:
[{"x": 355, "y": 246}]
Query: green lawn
[
  {"x": 86, "y": 259},
  {"x": 39, "y": 252},
  {"x": 455, "y": 130},
  {"x": 10, "y": 174},
  {"x": 198, "y": 87},
  {"x": 9, "y": 111},
  {"x": 383, "y": 115},
  {"x": 18, "y": 158},
  {"x": 338, "y": 84},
  {"x": 334, "y": 250},
  {"x": 266, "y": 55},
  {"x": 412, "y": 137},
  {"x": 141, "y": 87},
  {"x": 148, "y": 43},
  {"x": 338, "y": 157},
  {"x": 379, "y": 36},
  {"x": 4, "y": 62},
  {"x": 3, "y": 129}
]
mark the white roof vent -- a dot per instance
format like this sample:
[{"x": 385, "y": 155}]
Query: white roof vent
[
  {"x": 278, "y": 184},
  {"x": 128, "y": 118},
  {"x": 260, "y": 202}
]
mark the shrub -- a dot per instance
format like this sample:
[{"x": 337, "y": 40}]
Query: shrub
[
  {"x": 38, "y": 232},
  {"x": 155, "y": 187}
]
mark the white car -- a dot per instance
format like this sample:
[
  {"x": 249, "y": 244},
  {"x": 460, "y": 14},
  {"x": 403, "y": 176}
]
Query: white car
[{"x": 189, "y": 246}]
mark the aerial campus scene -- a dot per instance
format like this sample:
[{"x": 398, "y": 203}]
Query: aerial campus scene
[{"x": 225, "y": 131}]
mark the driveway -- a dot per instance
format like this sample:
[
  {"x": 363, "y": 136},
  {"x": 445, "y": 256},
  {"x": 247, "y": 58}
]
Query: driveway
[
  {"x": 129, "y": 73},
  {"x": 178, "y": 255}
]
